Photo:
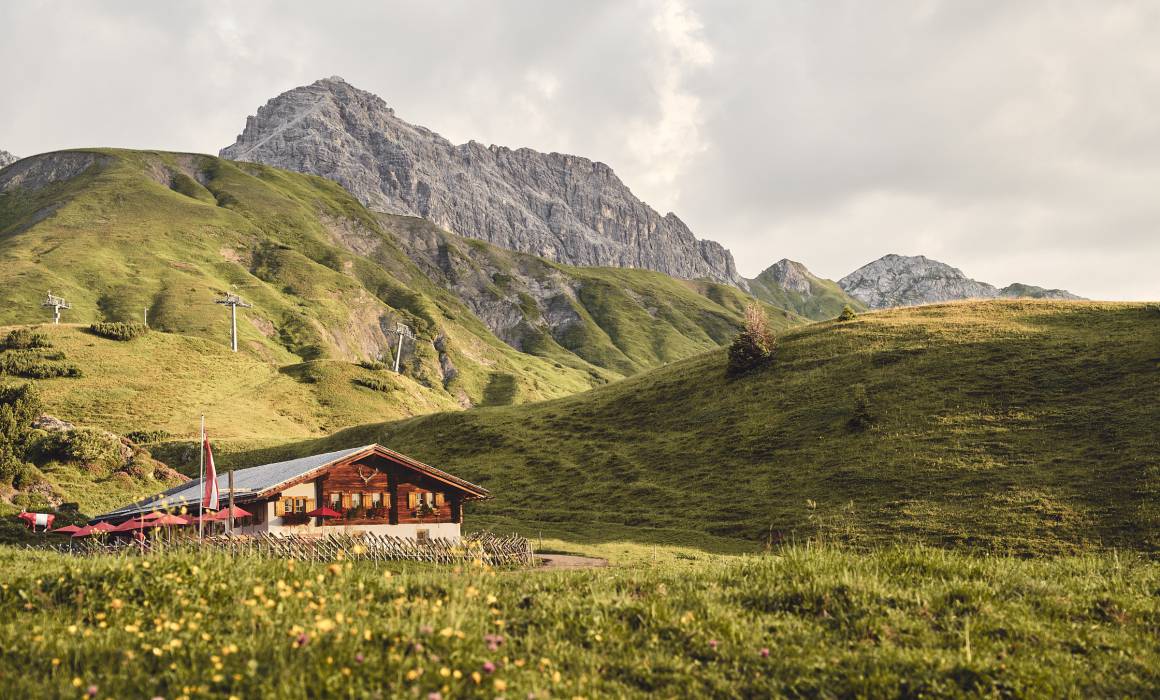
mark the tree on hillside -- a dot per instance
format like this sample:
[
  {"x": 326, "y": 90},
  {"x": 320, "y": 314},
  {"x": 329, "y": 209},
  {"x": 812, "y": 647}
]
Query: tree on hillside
[
  {"x": 19, "y": 406},
  {"x": 754, "y": 345},
  {"x": 847, "y": 314}
]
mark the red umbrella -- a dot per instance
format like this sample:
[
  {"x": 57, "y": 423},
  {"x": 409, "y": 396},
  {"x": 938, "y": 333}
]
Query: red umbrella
[
  {"x": 153, "y": 516},
  {"x": 83, "y": 531},
  {"x": 323, "y": 512},
  {"x": 104, "y": 527},
  {"x": 226, "y": 512},
  {"x": 169, "y": 520},
  {"x": 135, "y": 524},
  {"x": 67, "y": 529}
]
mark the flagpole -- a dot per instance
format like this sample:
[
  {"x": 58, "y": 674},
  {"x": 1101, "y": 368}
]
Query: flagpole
[{"x": 201, "y": 481}]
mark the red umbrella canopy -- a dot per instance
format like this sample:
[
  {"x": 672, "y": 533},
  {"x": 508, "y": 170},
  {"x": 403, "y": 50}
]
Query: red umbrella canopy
[
  {"x": 67, "y": 529},
  {"x": 134, "y": 524},
  {"x": 169, "y": 520},
  {"x": 83, "y": 531},
  {"x": 153, "y": 516},
  {"x": 104, "y": 527},
  {"x": 323, "y": 512},
  {"x": 236, "y": 512}
]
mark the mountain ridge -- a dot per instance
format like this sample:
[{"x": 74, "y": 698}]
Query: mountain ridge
[
  {"x": 789, "y": 284},
  {"x": 7, "y": 158},
  {"x": 900, "y": 280},
  {"x": 560, "y": 207}
]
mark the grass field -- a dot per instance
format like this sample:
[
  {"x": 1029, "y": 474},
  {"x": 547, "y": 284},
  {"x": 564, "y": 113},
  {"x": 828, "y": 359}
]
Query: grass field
[
  {"x": 899, "y": 622},
  {"x": 1008, "y": 426}
]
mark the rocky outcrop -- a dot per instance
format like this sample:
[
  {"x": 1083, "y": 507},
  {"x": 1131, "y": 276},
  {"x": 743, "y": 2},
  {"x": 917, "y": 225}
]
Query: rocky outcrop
[
  {"x": 37, "y": 172},
  {"x": 7, "y": 158},
  {"x": 560, "y": 207},
  {"x": 899, "y": 280},
  {"x": 790, "y": 285}
]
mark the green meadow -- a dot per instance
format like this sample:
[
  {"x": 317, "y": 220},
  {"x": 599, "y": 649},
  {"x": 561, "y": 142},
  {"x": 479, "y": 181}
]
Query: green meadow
[{"x": 796, "y": 622}]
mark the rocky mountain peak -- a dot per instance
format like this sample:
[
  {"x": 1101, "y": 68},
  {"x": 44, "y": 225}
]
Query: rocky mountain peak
[
  {"x": 562, "y": 207},
  {"x": 909, "y": 280},
  {"x": 7, "y": 158},
  {"x": 790, "y": 275}
]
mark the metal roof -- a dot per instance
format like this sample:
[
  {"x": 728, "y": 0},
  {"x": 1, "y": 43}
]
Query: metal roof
[
  {"x": 255, "y": 480},
  {"x": 246, "y": 481}
]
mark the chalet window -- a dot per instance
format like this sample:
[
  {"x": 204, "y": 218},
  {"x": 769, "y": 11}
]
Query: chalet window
[
  {"x": 376, "y": 500},
  {"x": 429, "y": 499},
  {"x": 356, "y": 500},
  {"x": 336, "y": 500}
]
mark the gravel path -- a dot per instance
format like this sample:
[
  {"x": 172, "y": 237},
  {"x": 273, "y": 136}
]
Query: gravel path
[{"x": 569, "y": 561}]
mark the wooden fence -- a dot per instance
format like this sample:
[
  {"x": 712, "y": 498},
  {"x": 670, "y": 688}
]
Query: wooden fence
[{"x": 484, "y": 548}]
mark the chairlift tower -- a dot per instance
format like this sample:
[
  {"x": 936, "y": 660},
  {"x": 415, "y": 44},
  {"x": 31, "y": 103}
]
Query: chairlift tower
[
  {"x": 404, "y": 332},
  {"x": 233, "y": 301},
  {"x": 57, "y": 303}
]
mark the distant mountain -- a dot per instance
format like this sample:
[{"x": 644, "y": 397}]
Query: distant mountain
[
  {"x": 790, "y": 285},
  {"x": 560, "y": 207},
  {"x": 900, "y": 280},
  {"x": 7, "y": 158}
]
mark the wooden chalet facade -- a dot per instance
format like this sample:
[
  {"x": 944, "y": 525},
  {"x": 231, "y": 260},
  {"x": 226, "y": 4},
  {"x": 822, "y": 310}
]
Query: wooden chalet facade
[{"x": 373, "y": 488}]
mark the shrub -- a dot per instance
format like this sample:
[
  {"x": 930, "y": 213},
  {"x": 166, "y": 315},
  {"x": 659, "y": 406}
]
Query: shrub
[
  {"x": 28, "y": 364},
  {"x": 374, "y": 383},
  {"x": 754, "y": 345},
  {"x": 862, "y": 416},
  {"x": 92, "y": 447},
  {"x": 118, "y": 331},
  {"x": 848, "y": 313},
  {"x": 373, "y": 365},
  {"x": 19, "y": 406},
  {"x": 26, "y": 339},
  {"x": 146, "y": 436}
]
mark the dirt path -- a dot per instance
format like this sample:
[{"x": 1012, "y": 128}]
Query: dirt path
[{"x": 570, "y": 561}]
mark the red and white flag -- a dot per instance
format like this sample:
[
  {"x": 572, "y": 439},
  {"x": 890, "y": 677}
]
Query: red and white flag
[{"x": 209, "y": 500}]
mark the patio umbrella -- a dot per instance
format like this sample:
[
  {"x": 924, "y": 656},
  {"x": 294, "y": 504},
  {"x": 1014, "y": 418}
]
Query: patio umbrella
[
  {"x": 83, "y": 531},
  {"x": 67, "y": 529},
  {"x": 154, "y": 515},
  {"x": 324, "y": 512},
  {"x": 104, "y": 527},
  {"x": 134, "y": 524},
  {"x": 236, "y": 512},
  {"x": 169, "y": 520}
]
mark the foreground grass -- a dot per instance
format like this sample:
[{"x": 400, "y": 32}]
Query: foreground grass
[{"x": 897, "y": 622}]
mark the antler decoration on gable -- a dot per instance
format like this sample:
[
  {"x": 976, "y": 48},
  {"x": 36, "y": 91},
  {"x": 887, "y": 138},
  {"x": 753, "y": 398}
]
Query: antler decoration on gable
[{"x": 366, "y": 477}]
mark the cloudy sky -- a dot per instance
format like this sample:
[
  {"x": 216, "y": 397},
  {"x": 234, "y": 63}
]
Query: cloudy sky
[{"x": 1017, "y": 140}]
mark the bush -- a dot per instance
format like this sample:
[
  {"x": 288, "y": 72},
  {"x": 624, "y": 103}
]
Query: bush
[
  {"x": 19, "y": 406},
  {"x": 862, "y": 416},
  {"x": 118, "y": 331},
  {"x": 26, "y": 339},
  {"x": 30, "y": 365},
  {"x": 146, "y": 436},
  {"x": 848, "y": 313},
  {"x": 754, "y": 345},
  {"x": 93, "y": 447},
  {"x": 374, "y": 383},
  {"x": 373, "y": 365}
]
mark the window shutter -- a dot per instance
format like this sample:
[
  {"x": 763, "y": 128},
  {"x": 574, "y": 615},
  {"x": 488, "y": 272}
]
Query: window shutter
[
  {"x": 413, "y": 500},
  {"x": 309, "y": 504},
  {"x": 346, "y": 501},
  {"x": 439, "y": 499}
]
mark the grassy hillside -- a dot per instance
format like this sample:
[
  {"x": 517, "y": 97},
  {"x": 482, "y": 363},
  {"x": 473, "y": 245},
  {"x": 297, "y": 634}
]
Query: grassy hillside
[
  {"x": 116, "y": 232},
  {"x": 624, "y": 321},
  {"x": 824, "y": 300},
  {"x": 1021, "y": 426},
  {"x": 905, "y": 622}
]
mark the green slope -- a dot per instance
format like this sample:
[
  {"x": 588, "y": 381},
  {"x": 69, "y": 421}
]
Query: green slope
[
  {"x": 817, "y": 298},
  {"x": 1020, "y": 425},
  {"x": 117, "y": 231},
  {"x": 620, "y": 320}
]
